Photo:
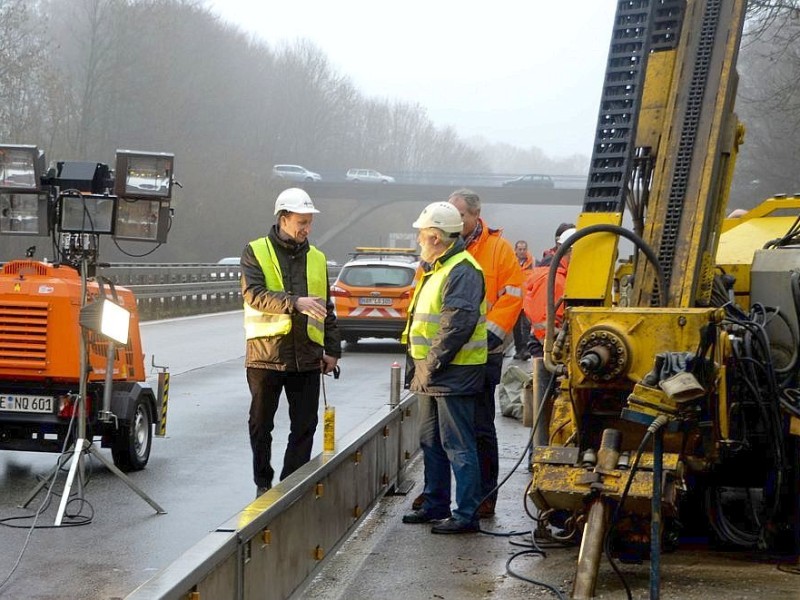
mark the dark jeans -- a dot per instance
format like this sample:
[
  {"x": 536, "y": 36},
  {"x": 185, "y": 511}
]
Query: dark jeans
[
  {"x": 447, "y": 439},
  {"x": 522, "y": 331},
  {"x": 302, "y": 393},
  {"x": 485, "y": 432}
]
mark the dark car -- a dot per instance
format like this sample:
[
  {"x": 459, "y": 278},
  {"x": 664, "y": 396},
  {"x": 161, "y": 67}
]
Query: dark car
[{"x": 540, "y": 181}]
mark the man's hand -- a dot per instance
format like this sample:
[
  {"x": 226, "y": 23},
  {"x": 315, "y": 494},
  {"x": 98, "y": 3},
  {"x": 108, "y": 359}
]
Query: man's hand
[
  {"x": 328, "y": 363},
  {"x": 311, "y": 306}
]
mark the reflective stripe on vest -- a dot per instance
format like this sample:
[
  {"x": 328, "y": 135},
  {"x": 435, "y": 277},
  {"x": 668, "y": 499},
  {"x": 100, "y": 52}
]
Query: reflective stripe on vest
[
  {"x": 424, "y": 321},
  {"x": 258, "y": 324}
]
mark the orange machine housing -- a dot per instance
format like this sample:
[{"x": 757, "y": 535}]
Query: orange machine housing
[{"x": 39, "y": 326}]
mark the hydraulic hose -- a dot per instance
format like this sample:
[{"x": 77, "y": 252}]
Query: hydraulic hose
[{"x": 563, "y": 249}]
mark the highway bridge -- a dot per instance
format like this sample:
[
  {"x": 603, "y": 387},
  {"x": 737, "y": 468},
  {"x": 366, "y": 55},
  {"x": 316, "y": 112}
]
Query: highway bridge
[{"x": 381, "y": 215}]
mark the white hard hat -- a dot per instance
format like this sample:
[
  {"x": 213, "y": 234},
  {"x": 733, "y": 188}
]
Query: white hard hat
[
  {"x": 294, "y": 200},
  {"x": 566, "y": 235},
  {"x": 441, "y": 215}
]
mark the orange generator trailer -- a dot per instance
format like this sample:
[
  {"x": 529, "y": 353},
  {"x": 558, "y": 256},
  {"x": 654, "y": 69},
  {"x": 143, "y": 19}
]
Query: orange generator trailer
[
  {"x": 64, "y": 374},
  {"x": 40, "y": 364}
]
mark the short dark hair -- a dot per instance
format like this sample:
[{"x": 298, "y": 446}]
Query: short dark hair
[{"x": 563, "y": 227}]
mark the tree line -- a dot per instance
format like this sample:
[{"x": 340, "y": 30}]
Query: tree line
[{"x": 81, "y": 78}]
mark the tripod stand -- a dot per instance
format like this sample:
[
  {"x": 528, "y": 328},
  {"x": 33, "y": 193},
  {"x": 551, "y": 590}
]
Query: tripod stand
[{"x": 82, "y": 445}]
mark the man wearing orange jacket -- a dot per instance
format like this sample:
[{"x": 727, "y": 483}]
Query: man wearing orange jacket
[
  {"x": 522, "y": 328},
  {"x": 503, "y": 277},
  {"x": 535, "y": 297}
]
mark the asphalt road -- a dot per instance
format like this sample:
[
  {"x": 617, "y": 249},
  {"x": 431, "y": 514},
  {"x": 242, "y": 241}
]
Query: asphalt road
[{"x": 200, "y": 473}]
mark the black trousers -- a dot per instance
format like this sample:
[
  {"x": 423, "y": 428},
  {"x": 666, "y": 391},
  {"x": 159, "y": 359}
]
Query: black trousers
[
  {"x": 302, "y": 393},
  {"x": 522, "y": 331},
  {"x": 485, "y": 431}
]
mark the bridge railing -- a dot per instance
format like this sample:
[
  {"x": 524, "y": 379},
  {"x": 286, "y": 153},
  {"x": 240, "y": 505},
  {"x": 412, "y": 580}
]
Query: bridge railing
[{"x": 278, "y": 543}]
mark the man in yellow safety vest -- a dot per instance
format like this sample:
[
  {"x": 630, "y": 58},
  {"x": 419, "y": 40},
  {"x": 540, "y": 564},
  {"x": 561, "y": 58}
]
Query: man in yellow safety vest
[
  {"x": 447, "y": 349},
  {"x": 291, "y": 333}
]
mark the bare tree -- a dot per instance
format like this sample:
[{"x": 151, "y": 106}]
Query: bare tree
[
  {"x": 23, "y": 70},
  {"x": 768, "y": 104}
]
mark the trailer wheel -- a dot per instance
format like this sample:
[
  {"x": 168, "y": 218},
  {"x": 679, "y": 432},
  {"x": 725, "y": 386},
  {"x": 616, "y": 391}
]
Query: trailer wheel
[{"x": 131, "y": 446}]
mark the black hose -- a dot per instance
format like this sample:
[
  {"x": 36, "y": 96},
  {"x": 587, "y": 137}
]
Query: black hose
[{"x": 582, "y": 233}]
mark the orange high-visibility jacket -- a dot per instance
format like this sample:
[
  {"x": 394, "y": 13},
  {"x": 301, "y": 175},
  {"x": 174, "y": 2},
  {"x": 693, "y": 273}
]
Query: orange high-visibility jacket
[
  {"x": 527, "y": 264},
  {"x": 535, "y": 300},
  {"x": 503, "y": 278}
]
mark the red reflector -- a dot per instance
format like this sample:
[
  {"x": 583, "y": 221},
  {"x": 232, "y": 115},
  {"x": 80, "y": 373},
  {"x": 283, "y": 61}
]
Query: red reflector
[
  {"x": 68, "y": 406},
  {"x": 338, "y": 292}
]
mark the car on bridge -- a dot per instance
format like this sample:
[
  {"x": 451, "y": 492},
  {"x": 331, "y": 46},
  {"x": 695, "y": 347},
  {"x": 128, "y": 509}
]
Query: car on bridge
[
  {"x": 368, "y": 176},
  {"x": 532, "y": 180},
  {"x": 294, "y": 173},
  {"x": 372, "y": 293}
]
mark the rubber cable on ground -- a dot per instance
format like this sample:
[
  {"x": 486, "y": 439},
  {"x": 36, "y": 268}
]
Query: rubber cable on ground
[
  {"x": 42, "y": 507},
  {"x": 535, "y": 582}
]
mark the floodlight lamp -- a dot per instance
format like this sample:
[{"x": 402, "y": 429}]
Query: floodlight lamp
[
  {"x": 20, "y": 169},
  {"x": 88, "y": 213},
  {"x": 143, "y": 174},
  {"x": 142, "y": 220},
  {"x": 107, "y": 318},
  {"x": 23, "y": 214}
]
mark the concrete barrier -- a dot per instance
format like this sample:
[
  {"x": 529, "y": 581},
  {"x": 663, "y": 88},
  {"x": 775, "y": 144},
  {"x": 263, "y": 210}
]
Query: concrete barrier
[{"x": 278, "y": 543}]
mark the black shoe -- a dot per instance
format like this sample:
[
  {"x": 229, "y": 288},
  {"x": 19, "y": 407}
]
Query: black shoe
[
  {"x": 517, "y": 357},
  {"x": 261, "y": 490},
  {"x": 454, "y": 526},
  {"x": 423, "y": 516}
]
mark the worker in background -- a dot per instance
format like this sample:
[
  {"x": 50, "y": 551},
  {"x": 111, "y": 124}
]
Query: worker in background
[
  {"x": 291, "y": 333},
  {"x": 522, "y": 327},
  {"x": 446, "y": 338},
  {"x": 504, "y": 302},
  {"x": 535, "y": 298},
  {"x": 547, "y": 255}
]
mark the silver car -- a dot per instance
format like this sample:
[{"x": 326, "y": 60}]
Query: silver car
[
  {"x": 368, "y": 175},
  {"x": 294, "y": 173}
]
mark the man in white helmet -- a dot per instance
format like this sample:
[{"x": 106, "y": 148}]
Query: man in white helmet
[
  {"x": 447, "y": 348},
  {"x": 291, "y": 333}
]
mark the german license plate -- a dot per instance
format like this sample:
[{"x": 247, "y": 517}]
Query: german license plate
[
  {"x": 22, "y": 403},
  {"x": 375, "y": 301}
]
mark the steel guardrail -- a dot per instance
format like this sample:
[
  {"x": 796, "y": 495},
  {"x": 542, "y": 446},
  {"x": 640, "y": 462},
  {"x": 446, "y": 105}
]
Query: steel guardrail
[
  {"x": 165, "y": 290},
  {"x": 278, "y": 543}
]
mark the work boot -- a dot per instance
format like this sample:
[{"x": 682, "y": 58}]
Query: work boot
[
  {"x": 486, "y": 509},
  {"x": 423, "y": 516},
  {"x": 452, "y": 525},
  {"x": 418, "y": 501}
]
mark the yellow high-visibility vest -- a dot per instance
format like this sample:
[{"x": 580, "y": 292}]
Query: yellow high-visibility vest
[
  {"x": 258, "y": 324},
  {"x": 423, "y": 323}
]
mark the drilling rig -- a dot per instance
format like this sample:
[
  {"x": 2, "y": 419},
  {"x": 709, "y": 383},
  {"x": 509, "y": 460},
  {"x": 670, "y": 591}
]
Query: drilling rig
[{"x": 668, "y": 399}]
